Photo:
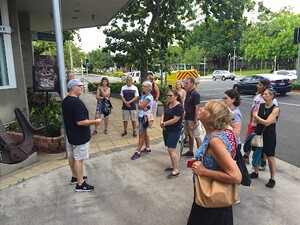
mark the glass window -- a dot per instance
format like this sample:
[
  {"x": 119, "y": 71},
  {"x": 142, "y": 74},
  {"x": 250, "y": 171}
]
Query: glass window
[
  {"x": 3, "y": 67},
  {"x": 7, "y": 69}
]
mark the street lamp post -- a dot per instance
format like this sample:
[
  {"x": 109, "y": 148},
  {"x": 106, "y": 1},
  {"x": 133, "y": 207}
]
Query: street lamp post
[
  {"x": 233, "y": 63},
  {"x": 204, "y": 67},
  {"x": 229, "y": 59}
]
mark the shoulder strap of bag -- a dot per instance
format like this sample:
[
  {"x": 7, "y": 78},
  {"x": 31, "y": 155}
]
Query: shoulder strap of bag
[{"x": 212, "y": 136}]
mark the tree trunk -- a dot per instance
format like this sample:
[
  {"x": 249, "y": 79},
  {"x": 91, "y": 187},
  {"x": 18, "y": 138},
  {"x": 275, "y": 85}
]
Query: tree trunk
[{"x": 144, "y": 68}]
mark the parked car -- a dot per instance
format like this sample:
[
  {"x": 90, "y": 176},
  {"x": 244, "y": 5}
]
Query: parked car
[
  {"x": 223, "y": 75},
  {"x": 281, "y": 84},
  {"x": 136, "y": 76},
  {"x": 292, "y": 74}
]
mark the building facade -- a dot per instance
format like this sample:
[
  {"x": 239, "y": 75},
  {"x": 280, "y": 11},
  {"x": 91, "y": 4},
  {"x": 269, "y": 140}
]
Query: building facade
[{"x": 19, "y": 19}]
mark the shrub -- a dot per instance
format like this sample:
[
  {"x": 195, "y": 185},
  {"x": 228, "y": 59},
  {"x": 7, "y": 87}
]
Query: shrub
[
  {"x": 52, "y": 119},
  {"x": 118, "y": 74},
  {"x": 116, "y": 88},
  {"x": 44, "y": 111},
  {"x": 295, "y": 85}
]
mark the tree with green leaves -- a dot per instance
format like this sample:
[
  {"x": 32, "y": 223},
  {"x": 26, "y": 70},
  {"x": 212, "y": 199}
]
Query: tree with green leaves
[
  {"x": 272, "y": 37},
  {"x": 145, "y": 28},
  {"x": 221, "y": 30},
  {"x": 100, "y": 60},
  {"x": 193, "y": 56},
  {"x": 49, "y": 48},
  {"x": 213, "y": 42}
]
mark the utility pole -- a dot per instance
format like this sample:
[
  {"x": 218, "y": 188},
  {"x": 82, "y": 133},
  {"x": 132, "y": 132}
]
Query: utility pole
[
  {"x": 71, "y": 55},
  {"x": 233, "y": 61},
  {"x": 233, "y": 65},
  {"x": 297, "y": 41},
  {"x": 204, "y": 67},
  {"x": 298, "y": 66}
]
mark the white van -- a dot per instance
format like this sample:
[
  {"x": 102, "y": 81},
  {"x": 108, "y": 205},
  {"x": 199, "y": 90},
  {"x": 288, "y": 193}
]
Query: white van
[{"x": 136, "y": 75}]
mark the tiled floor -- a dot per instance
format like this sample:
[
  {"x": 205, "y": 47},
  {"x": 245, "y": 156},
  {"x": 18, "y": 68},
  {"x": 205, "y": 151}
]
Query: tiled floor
[{"x": 99, "y": 142}]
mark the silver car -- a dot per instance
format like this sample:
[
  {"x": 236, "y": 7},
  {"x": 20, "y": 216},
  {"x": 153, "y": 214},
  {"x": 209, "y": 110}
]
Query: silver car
[
  {"x": 292, "y": 74},
  {"x": 223, "y": 75}
]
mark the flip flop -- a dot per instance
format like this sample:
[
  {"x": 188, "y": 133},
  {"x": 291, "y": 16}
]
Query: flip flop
[{"x": 95, "y": 132}]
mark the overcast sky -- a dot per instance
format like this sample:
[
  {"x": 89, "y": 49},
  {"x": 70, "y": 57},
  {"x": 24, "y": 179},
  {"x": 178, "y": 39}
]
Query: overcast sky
[{"x": 92, "y": 38}]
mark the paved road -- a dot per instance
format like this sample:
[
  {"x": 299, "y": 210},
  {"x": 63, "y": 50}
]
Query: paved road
[
  {"x": 287, "y": 127},
  {"x": 97, "y": 78}
]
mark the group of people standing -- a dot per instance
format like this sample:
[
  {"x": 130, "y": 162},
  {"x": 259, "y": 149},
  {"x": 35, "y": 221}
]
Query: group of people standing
[
  {"x": 219, "y": 125},
  {"x": 221, "y": 120}
]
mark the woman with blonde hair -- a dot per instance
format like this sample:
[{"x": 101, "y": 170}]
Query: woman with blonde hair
[
  {"x": 216, "y": 163},
  {"x": 180, "y": 90}
]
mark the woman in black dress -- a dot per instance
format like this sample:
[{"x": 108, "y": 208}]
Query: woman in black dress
[{"x": 266, "y": 118}]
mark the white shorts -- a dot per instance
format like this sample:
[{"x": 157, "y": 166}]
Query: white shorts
[
  {"x": 129, "y": 114},
  {"x": 80, "y": 152}
]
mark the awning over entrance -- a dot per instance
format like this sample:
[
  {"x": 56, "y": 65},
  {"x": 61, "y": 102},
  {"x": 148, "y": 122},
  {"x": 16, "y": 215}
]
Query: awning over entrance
[{"x": 75, "y": 13}]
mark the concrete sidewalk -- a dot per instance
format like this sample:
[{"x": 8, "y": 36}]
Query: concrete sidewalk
[
  {"x": 137, "y": 192},
  {"x": 132, "y": 192}
]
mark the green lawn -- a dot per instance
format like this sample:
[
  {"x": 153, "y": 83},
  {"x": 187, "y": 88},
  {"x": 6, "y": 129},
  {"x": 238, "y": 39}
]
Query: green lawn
[{"x": 249, "y": 72}]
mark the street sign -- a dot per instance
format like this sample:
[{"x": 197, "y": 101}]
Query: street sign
[
  {"x": 39, "y": 36},
  {"x": 297, "y": 36},
  {"x": 87, "y": 61}
]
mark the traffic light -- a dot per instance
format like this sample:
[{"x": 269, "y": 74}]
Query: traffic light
[
  {"x": 297, "y": 36},
  {"x": 87, "y": 61}
]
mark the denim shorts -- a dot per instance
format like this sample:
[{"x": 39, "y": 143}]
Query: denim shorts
[
  {"x": 171, "y": 138},
  {"x": 141, "y": 127}
]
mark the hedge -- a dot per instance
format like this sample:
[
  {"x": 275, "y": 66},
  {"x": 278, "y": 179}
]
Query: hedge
[{"x": 116, "y": 88}]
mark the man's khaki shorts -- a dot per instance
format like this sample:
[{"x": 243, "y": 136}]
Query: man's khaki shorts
[
  {"x": 193, "y": 133},
  {"x": 129, "y": 114}
]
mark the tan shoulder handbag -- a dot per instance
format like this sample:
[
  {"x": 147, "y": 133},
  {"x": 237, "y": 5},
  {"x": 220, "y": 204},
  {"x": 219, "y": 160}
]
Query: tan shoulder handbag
[{"x": 211, "y": 193}]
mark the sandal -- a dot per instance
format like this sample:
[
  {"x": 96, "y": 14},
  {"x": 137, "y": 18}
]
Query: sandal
[
  {"x": 172, "y": 176},
  {"x": 123, "y": 134},
  {"x": 95, "y": 132},
  {"x": 134, "y": 134}
]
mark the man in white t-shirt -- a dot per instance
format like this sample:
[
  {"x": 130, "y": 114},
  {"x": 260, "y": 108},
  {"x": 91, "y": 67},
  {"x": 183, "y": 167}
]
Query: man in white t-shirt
[{"x": 129, "y": 94}]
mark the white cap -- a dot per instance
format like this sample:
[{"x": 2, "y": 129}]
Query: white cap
[{"x": 72, "y": 83}]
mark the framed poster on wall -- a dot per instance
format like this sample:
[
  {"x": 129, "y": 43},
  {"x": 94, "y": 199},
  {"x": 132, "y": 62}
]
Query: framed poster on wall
[{"x": 45, "y": 74}]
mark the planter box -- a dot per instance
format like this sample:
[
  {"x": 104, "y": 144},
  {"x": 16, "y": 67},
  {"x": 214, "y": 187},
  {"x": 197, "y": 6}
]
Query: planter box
[{"x": 42, "y": 143}]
